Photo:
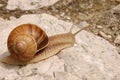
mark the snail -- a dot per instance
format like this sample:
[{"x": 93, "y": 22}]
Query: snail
[{"x": 28, "y": 43}]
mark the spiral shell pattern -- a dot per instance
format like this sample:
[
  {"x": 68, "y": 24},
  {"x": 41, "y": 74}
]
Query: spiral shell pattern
[{"x": 25, "y": 41}]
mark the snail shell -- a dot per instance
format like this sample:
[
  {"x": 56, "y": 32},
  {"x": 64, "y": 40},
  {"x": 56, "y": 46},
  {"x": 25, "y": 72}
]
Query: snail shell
[
  {"x": 25, "y": 41},
  {"x": 28, "y": 43}
]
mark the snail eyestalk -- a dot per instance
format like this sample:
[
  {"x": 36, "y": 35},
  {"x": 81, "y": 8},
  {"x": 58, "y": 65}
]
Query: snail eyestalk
[
  {"x": 77, "y": 31},
  {"x": 71, "y": 29},
  {"x": 38, "y": 42}
]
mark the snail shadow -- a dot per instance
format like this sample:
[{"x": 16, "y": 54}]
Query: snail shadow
[
  {"x": 4, "y": 54},
  {"x": 7, "y": 66}
]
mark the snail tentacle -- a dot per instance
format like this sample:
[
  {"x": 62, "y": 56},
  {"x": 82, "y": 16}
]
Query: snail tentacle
[{"x": 28, "y": 43}]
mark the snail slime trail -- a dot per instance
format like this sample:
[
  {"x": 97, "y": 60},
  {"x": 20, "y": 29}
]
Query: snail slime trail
[{"x": 28, "y": 43}]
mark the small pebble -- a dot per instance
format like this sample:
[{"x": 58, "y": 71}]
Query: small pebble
[
  {"x": 117, "y": 40},
  {"x": 116, "y": 9},
  {"x": 62, "y": 14},
  {"x": 83, "y": 24},
  {"x": 104, "y": 35},
  {"x": 1, "y": 5},
  {"x": 99, "y": 26},
  {"x": 118, "y": 49}
]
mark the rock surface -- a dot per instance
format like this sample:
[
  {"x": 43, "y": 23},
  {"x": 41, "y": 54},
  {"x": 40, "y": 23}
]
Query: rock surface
[
  {"x": 117, "y": 39},
  {"x": 29, "y": 4},
  {"x": 104, "y": 35},
  {"x": 91, "y": 58},
  {"x": 116, "y": 9}
]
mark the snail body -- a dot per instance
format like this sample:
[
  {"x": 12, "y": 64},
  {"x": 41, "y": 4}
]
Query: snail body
[{"x": 28, "y": 43}]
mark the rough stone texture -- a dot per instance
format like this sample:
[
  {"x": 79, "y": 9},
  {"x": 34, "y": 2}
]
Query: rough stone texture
[
  {"x": 116, "y": 9},
  {"x": 65, "y": 76},
  {"x": 91, "y": 58},
  {"x": 117, "y": 39},
  {"x": 29, "y": 4},
  {"x": 104, "y": 35}
]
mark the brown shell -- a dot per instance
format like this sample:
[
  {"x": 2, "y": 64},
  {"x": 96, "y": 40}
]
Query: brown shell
[
  {"x": 56, "y": 44},
  {"x": 25, "y": 41}
]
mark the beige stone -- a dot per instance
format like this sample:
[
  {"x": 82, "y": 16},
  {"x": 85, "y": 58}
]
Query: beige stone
[
  {"x": 117, "y": 39},
  {"x": 116, "y": 9},
  {"x": 29, "y": 4},
  {"x": 91, "y": 58}
]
